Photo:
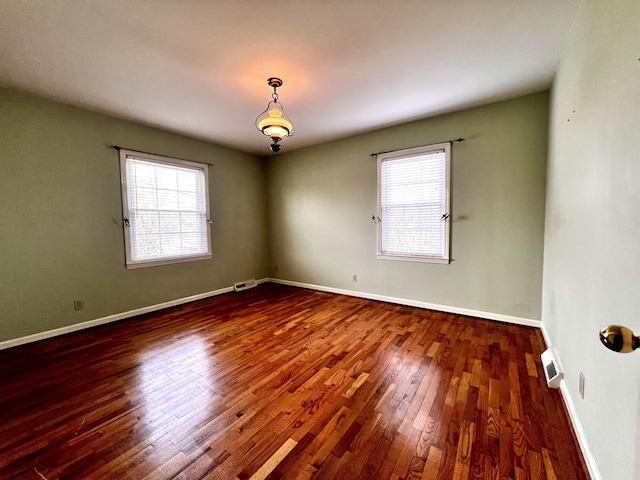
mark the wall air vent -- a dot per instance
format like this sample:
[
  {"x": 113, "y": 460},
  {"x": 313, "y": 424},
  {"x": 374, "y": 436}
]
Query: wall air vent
[
  {"x": 551, "y": 368},
  {"x": 238, "y": 287}
]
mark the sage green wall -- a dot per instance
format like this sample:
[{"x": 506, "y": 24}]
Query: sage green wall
[
  {"x": 321, "y": 200},
  {"x": 60, "y": 217},
  {"x": 592, "y": 240}
]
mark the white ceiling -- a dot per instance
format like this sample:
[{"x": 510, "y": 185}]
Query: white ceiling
[{"x": 200, "y": 67}]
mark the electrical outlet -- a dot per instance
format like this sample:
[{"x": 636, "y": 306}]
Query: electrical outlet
[
  {"x": 581, "y": 385},
  {"x": 78, "y": 304},
  {"x": 354, "y": 277}
]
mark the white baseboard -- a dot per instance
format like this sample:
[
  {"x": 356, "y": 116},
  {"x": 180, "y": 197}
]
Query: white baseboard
[
  {"x": 577, "y": 427},
  {"x": 573, "y": 415},
  {"x": 36, "y": 337},
  {"x": 415, "y": 303}
]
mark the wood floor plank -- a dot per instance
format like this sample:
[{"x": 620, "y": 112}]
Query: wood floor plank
[
  {"x": 274, "y": 460},
  {"x": 282, "y": 382}
]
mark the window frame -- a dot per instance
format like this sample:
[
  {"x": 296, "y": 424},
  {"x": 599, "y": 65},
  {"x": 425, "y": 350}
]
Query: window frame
[
  {"x": 130, "y": 263},
  {"x": 403, "y": 155}
]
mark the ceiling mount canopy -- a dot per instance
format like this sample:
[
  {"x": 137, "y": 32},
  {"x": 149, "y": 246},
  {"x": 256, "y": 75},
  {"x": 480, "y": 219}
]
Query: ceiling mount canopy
[{"x": 273, "y": 122}]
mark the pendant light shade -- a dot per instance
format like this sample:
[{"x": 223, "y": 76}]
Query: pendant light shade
[
  {"x": 275, "y": 125},
  {"x": 273, "y": 122}
]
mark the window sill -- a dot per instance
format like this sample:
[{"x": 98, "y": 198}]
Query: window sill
[
  {"x": 410, "y": 258},
  {"x": 167, "y": 261}
]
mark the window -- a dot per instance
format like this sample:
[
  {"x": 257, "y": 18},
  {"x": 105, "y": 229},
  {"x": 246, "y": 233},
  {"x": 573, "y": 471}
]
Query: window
[
  {"x": 165, "y": 205},
  {"x": 413, "y": 204}
]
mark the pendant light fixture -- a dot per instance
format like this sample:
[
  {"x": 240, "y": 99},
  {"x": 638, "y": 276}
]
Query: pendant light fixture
[{"x": 273, "y": 122}]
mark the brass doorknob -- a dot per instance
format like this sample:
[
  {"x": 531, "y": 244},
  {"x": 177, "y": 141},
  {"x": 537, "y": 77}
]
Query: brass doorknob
[{"x": 619, "y": 339}]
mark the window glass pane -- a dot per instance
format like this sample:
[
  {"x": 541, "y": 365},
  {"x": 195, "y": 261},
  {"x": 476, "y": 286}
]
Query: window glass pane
[
  {"x": 186, "y": 181},
  {"x": 143, "y": 198},
  {"x": 169, "y": 222},
  {"x": 188, "y": 201},
  {"x": 189, "y": 222},
  {"x": 145, "y": 223},
  {"x": 167, "y": 200},
  {"x": 167, "y": 178},
  {"x": 144, "y": 174}
]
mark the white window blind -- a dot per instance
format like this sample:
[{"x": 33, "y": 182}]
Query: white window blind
[
  {"x": 166, "y": 206},
  {"x": 413, "y": 197}
]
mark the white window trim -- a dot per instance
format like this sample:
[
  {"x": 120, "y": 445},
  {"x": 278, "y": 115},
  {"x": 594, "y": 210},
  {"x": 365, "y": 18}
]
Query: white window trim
[
  {"x": 405, "y": 153},
  {"x": 129, "y": 262}
]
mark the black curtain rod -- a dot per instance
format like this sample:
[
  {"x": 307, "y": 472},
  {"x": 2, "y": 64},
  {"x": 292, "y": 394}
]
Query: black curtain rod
[
  {"x": 149, "y": 153},
  {"x": 448, "y": 141}
]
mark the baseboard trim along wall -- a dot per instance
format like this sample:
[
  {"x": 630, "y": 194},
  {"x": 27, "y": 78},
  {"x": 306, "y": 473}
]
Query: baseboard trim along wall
[
  {"x": 36, "y": 337},
  {"x": 577, "y": 428},
  {"x": 573, "y": 415},
  {"x": 416, "y": 303}
]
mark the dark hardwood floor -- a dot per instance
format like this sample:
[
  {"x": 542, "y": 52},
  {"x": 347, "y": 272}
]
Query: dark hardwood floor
[{"x": 281, "y": 382}]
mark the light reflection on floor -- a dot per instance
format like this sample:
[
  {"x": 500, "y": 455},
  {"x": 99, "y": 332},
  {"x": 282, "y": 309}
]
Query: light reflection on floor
[{"x": 176, "y": 386}]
